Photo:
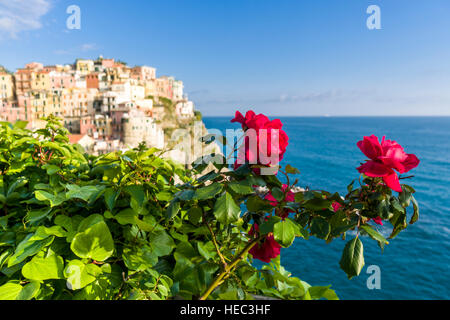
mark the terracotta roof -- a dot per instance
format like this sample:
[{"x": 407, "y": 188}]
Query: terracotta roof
[{"x": 74, "y": 138}]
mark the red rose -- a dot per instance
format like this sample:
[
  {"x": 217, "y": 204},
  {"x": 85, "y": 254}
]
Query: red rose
[
  {"x": 385, "y": 158},
  {"x": 265, "y": 250},
  {"x": 378, "y": 220},
  {"x": 242, "y": 120},
  {"x": 336, "y": 206},
  {"x": 264, "y": 143},
  {"x": 289, "y": 197}
]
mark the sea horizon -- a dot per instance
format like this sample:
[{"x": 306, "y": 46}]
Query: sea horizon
[{"x": 326, "y": 154}]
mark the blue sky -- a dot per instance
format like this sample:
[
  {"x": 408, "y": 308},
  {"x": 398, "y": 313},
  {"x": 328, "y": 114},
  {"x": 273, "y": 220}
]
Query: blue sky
[{"x": 280, "y": 57}]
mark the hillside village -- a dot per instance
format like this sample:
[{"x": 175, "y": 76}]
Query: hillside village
[{"x": 105, "y": 104}]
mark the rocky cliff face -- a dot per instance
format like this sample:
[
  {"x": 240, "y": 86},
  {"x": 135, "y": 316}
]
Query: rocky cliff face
[
  {"x": 182, "y": 136},
  {"x": 184, "y": 145}
]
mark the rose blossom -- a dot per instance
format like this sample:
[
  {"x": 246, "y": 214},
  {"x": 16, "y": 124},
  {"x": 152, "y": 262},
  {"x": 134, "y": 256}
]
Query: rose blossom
[
  {"x": 263, "y": 151},
  {"x": 267, "y": 250},
  {"x": 289, "y": 197},
  {"x": 384, "y": 159},
  {"x": 378, "y": 220},
  {"x": 336, "y": 206}
]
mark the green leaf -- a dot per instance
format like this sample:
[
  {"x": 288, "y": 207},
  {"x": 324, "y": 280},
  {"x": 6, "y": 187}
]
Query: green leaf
[
  {"x": 383, "y": 209},
  {"x": 111, "y": 197},
  {"x": 318, "y": 204},
  {"x": 299, "y": 230},
  {"x": 278, "y": 194},
  {"x": 415, "y": 215},
  {"x": 137, "y": 194},
  {"x": 320, "y": 228},
  {"x": 290, "y": 169},
  {"x": 4, "y": 256},
  {"x": 29, "y": 291},
  {"x": 139, "y": 258},
  {"x": 183, "y": 267},
  {"x": 28, "y": 248},
  {"x": 51, "y": 169},
  {"x": 20, "y": 124},
  {"x": 374, "y": 234},
  {"x": 40, "y": 269},
  {"x": 161, "y": 243},
  {"x": 10, "y": 291},
  {"x": 396, "y": 205},
  {"x": 127, "y": 216},
  {"x": 207, "y": 192},
  {"x": 88, "y": 222},
  {"x": 242, "y": 188},
  {"x": 268, "y": 225},
  {"x": 209, "y": 176},
  {"x": 185, "y": 195},
  {"x": 173, "y": 209},
  {"x": 36, "y": 215},
  {"x": 226, "y": 210},
  {"x": 352, "y": 260},
  {"x": 95, "y": 243},
  {"x": 52, "y": 199},
  {"x": 284, "y": 233},
  {"x": 207, "y": 250},
  {"x": 195, "y": 215},
  {"x": 399, "y": 222},
  {"x": 164, "y": 196},
  {"x": 405, "y": 197},
  {"x": 80, "y": 275},
  {"x": 77, "y": 192},
  {"x": 44, "y": 232},
  {"x": 318, "y": 292},
  {"x": 257, "y": 204}
]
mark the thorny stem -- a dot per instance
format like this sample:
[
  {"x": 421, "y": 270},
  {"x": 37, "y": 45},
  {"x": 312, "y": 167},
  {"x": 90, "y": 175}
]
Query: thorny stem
[
  {"x": 359, "y": 223},
  {"x": 214, "y": 241},
  {"x": 218, "y": 281},
  {"x": 288, "y": 181}
]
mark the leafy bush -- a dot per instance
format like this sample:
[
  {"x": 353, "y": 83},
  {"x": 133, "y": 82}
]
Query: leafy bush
[{"x": 131, "y": 225}]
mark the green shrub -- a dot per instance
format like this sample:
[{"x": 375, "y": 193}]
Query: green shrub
[{"x": 131, "y": 225}]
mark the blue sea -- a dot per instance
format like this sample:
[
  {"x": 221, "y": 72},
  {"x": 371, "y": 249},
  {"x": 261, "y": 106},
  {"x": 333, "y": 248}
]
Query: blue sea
[{"x": 415, "y": 265}]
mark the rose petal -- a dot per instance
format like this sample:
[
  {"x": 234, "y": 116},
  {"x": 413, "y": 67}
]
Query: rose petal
[
  {"x": 238, "y": 118},
  {"x": 378, "y": 220},
  {"x": 371, "y": 147},
  {"x": 392, "y": 182},
  {"x": 374, "y": 169},
  {"x": 410, "y": 163}
]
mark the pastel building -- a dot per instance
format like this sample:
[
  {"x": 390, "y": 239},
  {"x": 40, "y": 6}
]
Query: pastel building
[
  {"x": 123, "y": 108},
  {"x": 103, "y": 103},
  {"x": 7, "y": 89},
  {"x": 103, "y": 126},
  {"x": 40, "y": 104},
  {"x": 150, "y": 88},
  {"x": 84, "y": 66},
  {"x": 128, "y": 90},
  {"x": 25, "y": 104},
  {"x": 139, "y": 126},
  {"x": 78, "y": 103},
  {"x": 10, "y": 111},
  {"x": 177, "y": 89},
  {"x": 185, "y": 109},
  {"x": 61, "y": 79},
  {"x": 101, "y": 64},
  {"x": 32, "y": 77},
  {"x": 164, "y": 87},
  {"x": 143, "y": 73},
  {"x": 87, "y": 125}
]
